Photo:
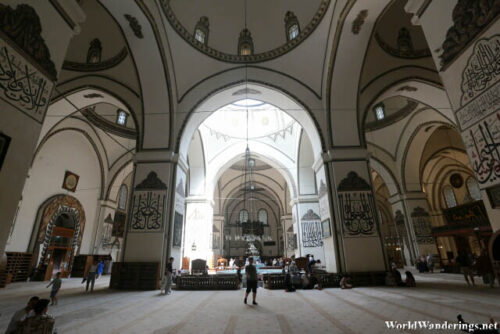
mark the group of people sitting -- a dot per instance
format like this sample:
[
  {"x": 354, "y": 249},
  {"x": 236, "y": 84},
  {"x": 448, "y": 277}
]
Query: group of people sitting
[
  {"x": 306, "y": 280},
  {"x": 32, "y": 318},
  {"x": 393, "y": 278}
]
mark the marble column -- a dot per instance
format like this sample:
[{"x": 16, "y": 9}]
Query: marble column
[
  {"x": 356, "y": 221},
  {"x": 148, "y": 236},
  {"x": 25, "y": 98}
]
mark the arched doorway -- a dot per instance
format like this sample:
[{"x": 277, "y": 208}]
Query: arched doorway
[{"x": 59, "y": 236}]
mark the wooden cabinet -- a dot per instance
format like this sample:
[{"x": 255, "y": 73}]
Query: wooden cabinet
[{"x": 18, "y": 266}]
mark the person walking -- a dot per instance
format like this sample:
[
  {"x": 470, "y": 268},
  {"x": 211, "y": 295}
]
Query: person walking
[
  {"x": 465, "y": 263},
  {"x": 251, "y": 273},
  {"x": 56, "y": 286},
  {"x": 169, "y": 271},
  {"x": 91, "y": 276}
]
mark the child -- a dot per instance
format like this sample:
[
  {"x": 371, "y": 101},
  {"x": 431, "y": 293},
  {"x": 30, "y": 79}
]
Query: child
[{"x": 56, "y": 285}]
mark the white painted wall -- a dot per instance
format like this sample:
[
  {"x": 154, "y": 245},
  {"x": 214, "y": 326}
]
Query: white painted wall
[{"x": 67, "y": 150}]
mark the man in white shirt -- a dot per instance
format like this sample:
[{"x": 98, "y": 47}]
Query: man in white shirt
[
  {"x": 21, "y": 315},
  {"x": 91, "y": 276}
]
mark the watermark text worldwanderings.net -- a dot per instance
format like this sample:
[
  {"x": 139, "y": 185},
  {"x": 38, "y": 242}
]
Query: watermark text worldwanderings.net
[{"x": 414, "y": 325}]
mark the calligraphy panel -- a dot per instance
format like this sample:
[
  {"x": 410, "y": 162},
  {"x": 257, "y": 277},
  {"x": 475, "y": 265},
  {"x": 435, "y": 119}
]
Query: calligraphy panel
[
  {"x": 312, "y": 233},
  {"x": 482, "y": 142},
  {"x": 357, "y": 207},
  {"x": 148, "y": 205},
  {"x": 22, "y": 85}
]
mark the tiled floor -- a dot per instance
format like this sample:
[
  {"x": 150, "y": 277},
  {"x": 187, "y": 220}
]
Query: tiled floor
[{"x": 437, "y": 298}]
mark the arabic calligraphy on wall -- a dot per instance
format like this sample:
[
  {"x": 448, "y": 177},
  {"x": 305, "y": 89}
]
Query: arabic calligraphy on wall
[
  {"x": 148, "y": 205},
  {"x": 357, "y": 206},
  {"x": 482, "y": 142},
  {"x": 22, "y": 85},
  {"x": 483, "y": 68}
]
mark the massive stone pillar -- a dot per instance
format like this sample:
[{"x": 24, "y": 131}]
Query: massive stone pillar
[
  {"x": 149, "y": 232},
  {"x": 463, "y": 38},
  {"x": 356, "y": 227},
  {"x": 29, "y": 66}
]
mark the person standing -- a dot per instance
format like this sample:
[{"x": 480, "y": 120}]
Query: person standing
[
  {"x": 21, "y": 314},
  {"x": 465, "y": 263},
  {"x": 430, "y": 263},
  {"x": 91, "y": 276},
  {"x": 169, "y": 271},
  {"x": 56, "y": 286},
  {"x": 100, "y": 268},
  {"x": 251, "y": 273}
]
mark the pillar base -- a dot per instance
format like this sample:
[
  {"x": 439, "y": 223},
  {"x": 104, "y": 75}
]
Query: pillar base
[{"x": 135, "y": 276}]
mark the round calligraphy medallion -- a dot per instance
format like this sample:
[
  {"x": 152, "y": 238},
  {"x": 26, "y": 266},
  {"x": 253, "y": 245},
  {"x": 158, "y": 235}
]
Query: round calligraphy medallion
[{"x": 456, "y": 180}]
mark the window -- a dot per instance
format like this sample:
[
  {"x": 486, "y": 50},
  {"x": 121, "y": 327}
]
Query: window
[
  {"x": 292, "y": 27},
  {"x": 263, "y": 216},
  {"x": 473, "y": 188},
  {"x": 122, "y": 197},
  {"x": 293, "y": 32},
  {"x": 201, "y": 30},
  {"x": 121, "y": 117},
  {"x": 379, "y": 111},
  {"x": 243, "y": 216},
  {"x": 199, "y": 36},
  {"x": 449, "y": 197},
  {"x": 245, "y": 43}
]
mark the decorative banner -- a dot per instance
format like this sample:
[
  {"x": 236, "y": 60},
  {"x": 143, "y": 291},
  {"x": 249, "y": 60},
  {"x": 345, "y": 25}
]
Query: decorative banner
[
  {"x": 178, "y": 220},
  {"x": 312, "y": 235},
  {"x": 357, "y": 206},
  {"x": 22, "y": 85},
  {"x": 422, "y": 226},
  {"x": 148, "y": 205}
]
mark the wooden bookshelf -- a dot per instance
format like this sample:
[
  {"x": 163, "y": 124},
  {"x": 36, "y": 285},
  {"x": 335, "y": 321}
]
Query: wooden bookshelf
[{"x": 19, "y": 265}]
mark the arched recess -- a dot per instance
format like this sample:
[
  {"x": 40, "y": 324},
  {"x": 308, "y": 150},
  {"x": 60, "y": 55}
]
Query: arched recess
[
  {"x": 305, "y": 171},
  {"x": 117, "y": 180},
  {"x": 411, "y": 147},
  {"x": 42, "y": 241},
  {"x": 82, "y": 92},
  {"x": 53, "y": 161},
  {"x": 200, "y": 107},
  {"x": 197, "y": 166},
  {"x": 234, "y": 154},
  {"x": 387, "y": 175}
]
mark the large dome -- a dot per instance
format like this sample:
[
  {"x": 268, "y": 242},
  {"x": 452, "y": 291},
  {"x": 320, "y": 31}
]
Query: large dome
[
  {"x": 227, "y": 18},
  {"x": 264, "y": 120}
]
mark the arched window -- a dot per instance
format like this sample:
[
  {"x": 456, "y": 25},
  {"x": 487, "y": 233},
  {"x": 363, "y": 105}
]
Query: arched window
[
  {"x": 473, "y": 188},
  {"x": 201, "y": 30},
  {"x": 449, "y": 197},
  {"x": 121, "y": 117},
  {"x": 379, "y": 110},
  {"x": 291, "y": 26},
  {"x": 122, "y": 197},
  {"x": 263, "y": 216},
  {"x": 243, "y": 216},
  {"x": 245, "y": 43}
]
